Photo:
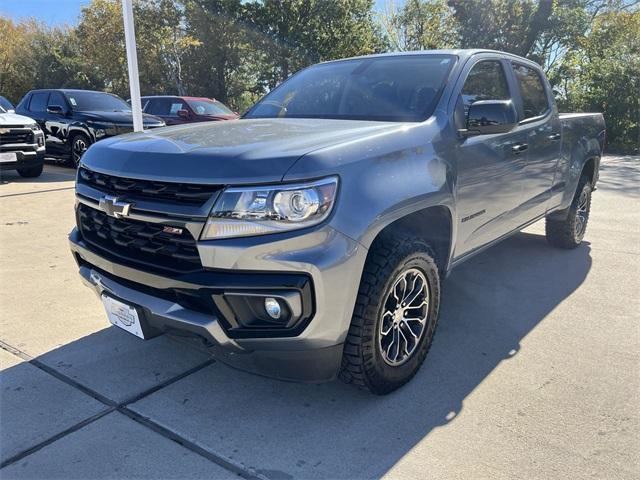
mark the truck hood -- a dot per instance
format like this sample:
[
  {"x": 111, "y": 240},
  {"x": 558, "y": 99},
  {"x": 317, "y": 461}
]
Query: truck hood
[
  {"x": 230, "y": 152},
  {"x": 119, "y": 118},
  {"x": 13, "y": 119}
]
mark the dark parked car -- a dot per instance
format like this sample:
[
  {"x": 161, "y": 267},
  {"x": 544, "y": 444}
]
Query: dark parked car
[
  {"x": 177, "y": 110},
  {"x": 74, "y": 119},
  {"x": 6, "y": 105}
]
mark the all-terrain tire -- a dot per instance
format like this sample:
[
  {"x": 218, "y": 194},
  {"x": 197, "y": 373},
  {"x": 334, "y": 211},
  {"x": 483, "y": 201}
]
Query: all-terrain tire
[
  {"x": 31, "y": 172},
  {"x": 363, "y": 364},
  {"x": 79, "y": 144},
  {"x": 569, "y": 231}
]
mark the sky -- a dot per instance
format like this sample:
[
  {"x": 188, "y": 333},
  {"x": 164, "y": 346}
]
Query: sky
[
  {"x": 52, "y": 12},
  {"x": 59, "y": 12}
]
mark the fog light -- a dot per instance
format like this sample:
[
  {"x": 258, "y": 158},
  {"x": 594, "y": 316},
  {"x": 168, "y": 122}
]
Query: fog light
[{"x": 272, "y": 306}]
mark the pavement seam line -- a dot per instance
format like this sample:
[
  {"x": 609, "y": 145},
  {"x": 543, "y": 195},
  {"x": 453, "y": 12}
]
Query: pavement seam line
[
  {"x": 189, "y": 445},
  {"x": 15, "y": 351},
  {"x": 37, "y": 191},
  {"x": 122, "y": 408},
  {"x": 166, "y": 383},
  {"x": 39, "y": 446}
]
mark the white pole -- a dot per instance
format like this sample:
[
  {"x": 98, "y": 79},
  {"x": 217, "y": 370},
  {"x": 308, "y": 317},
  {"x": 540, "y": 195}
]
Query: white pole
[{"x": 132, "y": 63}]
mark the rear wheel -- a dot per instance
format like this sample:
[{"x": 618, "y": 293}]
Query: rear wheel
[
  {"x": 31, "y": 172},
  {"x": 395, "y": 316},
  {"x": 569, "y": 231}
]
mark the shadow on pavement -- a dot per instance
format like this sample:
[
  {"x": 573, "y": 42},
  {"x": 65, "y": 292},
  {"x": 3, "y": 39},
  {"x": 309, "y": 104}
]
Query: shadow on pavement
[
  {"x": 283, "y": 430},
  {"x": 621, "y": 175},
  {"x": 53, "y": 172}
]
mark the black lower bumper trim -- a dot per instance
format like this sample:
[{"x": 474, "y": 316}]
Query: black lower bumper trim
[
  {"x": 23, "y": 161},
  {"x": 204, "y": 291}
]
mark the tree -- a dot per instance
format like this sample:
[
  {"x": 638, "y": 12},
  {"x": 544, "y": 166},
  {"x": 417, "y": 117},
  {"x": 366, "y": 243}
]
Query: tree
[
  {"x": 296, "y": 33},
  {"x": 603, "y": 75},
  {"x": 13, "y": 81},
  {"x": 220, "y": 65},
  {"x": 509, "y": 25},
  {"x": 420, "y": 25}
]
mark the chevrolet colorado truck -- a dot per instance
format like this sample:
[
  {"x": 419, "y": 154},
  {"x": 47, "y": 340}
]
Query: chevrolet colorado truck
[
  {"x": 21, "y": 144},
  {"x": 310, "y": 238}
]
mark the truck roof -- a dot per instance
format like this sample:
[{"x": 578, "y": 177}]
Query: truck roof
[
  {"x": 186, "y": 97},
  {"x": 69, "y": 90},
  {"x": 462, "y": 53}
]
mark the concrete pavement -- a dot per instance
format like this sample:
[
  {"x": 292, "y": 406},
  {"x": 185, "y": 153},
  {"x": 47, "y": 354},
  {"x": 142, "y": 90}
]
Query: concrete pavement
[{"x": 534, "y": 372}]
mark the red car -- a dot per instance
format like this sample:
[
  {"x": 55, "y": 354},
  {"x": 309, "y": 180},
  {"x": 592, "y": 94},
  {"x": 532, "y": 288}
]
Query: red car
[{"x": 175, "y": 110}]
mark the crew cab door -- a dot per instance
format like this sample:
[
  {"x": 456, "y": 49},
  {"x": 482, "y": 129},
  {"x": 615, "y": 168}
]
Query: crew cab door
[
  {"x": 490, "y": 168},
  {"x": 540, "y": 122},
  {"x": 57, "y": 123},
  {"x": 36, "y": 107}
]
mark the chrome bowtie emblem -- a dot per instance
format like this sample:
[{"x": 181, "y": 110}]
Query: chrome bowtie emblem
[
  {"x": 113, "y": 207},
  {"x": 4, "y": 130},
  {"x": 172, "y": 230}
]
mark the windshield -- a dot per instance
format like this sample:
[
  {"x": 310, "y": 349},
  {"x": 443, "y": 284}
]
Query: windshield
[
  {"x": 97, "y": 102},
  {"x": 208, "y": 107},
  {"x": 5, "y": 104},
  {"x": 399, "y": 88}
]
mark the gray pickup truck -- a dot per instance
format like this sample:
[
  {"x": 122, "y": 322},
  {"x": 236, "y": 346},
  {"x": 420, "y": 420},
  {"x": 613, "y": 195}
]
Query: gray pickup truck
[{"x": 310, "y": 238}]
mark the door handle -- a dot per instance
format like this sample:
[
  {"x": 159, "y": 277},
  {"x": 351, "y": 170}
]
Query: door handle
[
  {"x": 519, "y": 147},
  {"x": 554, "y": 137}
]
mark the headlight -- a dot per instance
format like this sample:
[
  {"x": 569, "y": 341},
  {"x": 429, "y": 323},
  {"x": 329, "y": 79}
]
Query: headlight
[
  {"x": 241, "y": 212},
  {"x": 35, "y": 127}
]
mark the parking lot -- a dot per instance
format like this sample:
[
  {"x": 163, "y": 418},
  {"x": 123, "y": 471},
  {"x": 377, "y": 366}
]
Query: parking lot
[{"x": 534, "y": 372}]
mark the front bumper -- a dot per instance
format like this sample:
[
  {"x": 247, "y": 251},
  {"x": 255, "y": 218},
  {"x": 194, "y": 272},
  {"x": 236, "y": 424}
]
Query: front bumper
[
  {"x": 24, "y": 159},
  {"x": 312, "y": 352}
]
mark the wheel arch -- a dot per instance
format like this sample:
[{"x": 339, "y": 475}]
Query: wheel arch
[
  {"x": 434, "y": 224},
  {"x": 590, "y": 169}
]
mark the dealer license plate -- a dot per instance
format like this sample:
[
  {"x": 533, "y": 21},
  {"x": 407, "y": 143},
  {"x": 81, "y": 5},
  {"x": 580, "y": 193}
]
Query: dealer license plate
[
  {"x": 6, "y": 157},
  {"x": 122, "y": 315}
]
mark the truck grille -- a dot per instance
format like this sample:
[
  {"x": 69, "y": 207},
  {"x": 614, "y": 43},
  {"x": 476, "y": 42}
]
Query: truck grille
[
  {"x": 185, "y": 193},
  {"x": 139, "y": 242},
  {"x": 16, "y": 136}
]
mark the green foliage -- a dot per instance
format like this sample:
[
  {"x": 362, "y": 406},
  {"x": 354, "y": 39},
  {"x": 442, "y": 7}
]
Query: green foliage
[
  {"x": 421, "y": 25},
  {"x": 603, "y": 75},
  {"x": 236, "y": 50}
]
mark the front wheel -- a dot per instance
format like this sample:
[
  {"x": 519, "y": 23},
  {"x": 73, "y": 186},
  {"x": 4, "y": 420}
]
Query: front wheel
[
  {"x": 79, "y": 144},
  {"x": 569, "y": 231},
  {"x": 31, "y": 172},
  {"x": 395, "y": 317}
]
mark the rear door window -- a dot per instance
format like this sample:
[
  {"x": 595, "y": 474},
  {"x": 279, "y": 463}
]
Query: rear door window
[
  {"x": 166, "y": 107},
  {"x": 154, "y": 106},
  {"x": 534, "y": 97},
  {"x": 38, "y": 102}
]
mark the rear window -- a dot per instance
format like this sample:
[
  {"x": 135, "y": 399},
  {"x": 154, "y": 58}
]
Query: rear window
[
  {"x": 38, "y": 102},
  {"x": 534, "y": 97}
]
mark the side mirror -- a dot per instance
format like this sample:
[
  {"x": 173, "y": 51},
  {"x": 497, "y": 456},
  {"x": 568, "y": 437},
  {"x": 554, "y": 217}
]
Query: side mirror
[
  {"x": 491, "y": 116},
  {"x": 183, "y": 113},
  {"x": 57, "y": 109}
]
